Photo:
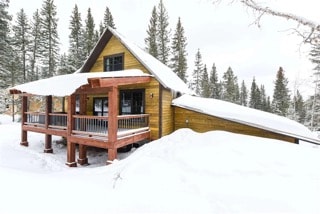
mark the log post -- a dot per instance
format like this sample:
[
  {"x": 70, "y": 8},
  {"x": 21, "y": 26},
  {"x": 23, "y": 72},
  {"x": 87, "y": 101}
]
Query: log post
[
  {"x": 48, "y": 138},
  {"x": 71, "y": 147},
  {"x": 113, "y": 109},
  {"x": 24, "y": 109},
  {"x": 83, "y": 159}
]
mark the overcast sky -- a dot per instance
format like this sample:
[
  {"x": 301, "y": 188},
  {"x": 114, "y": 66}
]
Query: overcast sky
[{"x": 224, "y": 34}]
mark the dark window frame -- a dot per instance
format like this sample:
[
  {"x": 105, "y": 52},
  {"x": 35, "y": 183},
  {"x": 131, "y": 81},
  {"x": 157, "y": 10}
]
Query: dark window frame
[
  {"x": 113, "y": 64},
  {"x": 103, "y": 110},
  {"x": 130, "y": 103}
]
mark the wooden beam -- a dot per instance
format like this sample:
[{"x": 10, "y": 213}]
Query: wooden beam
[
  {"x": 71, "y": 147},
  {"x": 89, "y": 90},
  {"x": 117, "y": 81},
  {"x": 113, "y": 109},
  {"x": 48, "y": 137},
  {"x": 83, "y": 159},
  {"x": 24, "y": 133}
]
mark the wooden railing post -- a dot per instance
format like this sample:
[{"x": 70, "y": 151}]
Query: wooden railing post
[
  {"x": 71, "y": 147},
  {"x": 48, "y": 138},
  {"x": 83, "y": 159},
  {"x": 24, "y": 109},
  {"x": 113, "y": 110}
]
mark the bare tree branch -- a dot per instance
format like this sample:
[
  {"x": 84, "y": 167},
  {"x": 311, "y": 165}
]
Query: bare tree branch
[{"x": 312, "y": 35}]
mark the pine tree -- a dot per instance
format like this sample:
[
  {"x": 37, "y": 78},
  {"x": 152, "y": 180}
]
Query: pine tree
[
  {"x": 215, "y": 86},
  {"x": 77, "y": 53},
  {"x": 63, "y": 67},
  {"x": 243, "y": 94},
  {"x": 195, "y": 83},
  {"x": 108, "y": 19},
  {"x": 205, "y": 89},
  {"x": 151, "y": 40},
  {"x": 5, "y": 19},
  {"x": 255, "y": 95},
  {"x": 89, "y": 33},
  {"x": 163, "y": 34},
  {"x": 35, "y": 46},
  {"x": 263, "y": 98},
  {"x": 230, "y": 86},
  {"x": 299, "y": 108},
  {"x": 179, "y": 52},
  {"x": 21, "y": 40},
  {"x": 49, "y": 38},
  {"x": 281, "y": 97}
]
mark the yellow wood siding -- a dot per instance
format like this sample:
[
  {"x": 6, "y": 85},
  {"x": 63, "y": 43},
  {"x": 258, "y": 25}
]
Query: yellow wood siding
[
  {"x": 114, "y": 46},
  {"x": 201, "y": 123},
  {"x": 167, "y": 112}
]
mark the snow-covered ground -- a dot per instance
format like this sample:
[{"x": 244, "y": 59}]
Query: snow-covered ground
[{"x": 185, "y": 172}]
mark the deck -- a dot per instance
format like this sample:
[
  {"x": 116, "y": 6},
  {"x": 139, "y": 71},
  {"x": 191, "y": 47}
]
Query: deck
[{"x": 90, "y": 130}]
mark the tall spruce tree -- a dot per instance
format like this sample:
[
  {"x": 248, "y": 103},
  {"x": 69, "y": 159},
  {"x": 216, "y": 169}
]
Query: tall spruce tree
[
  {"x": 21, "y": 40},
  {"x": 163, "y": 34},
  {"x": 205, "y": 89},
  {"x": 179, "y": 52},
  {"x": 77, "y": 53},
  {"x": 5, "y": 19},
  {"x": 299, "y": 108},
  {"x": 89, "y": 33},
  {"x": 108, "y": 19},
  {"x": 35, "y": 50},
  {"x": 197, "y": 74},
  {"x": 281, "y": 97},
  {"x": 49, "y": 38},
  {"x": 243, "y": 94},
  {"x": 230, "y": 86},
  {"x": 151, "y": 40},
  {"x": 255, "y": 95},
  {"x": 214, "y": 84}
]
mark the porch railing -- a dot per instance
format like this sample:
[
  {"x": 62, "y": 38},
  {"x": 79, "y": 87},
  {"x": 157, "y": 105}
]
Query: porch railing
[
  {"x": 88, "y": 125},
  {"x": 57, "y": 120}
]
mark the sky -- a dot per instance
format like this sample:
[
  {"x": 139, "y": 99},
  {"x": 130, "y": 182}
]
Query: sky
[{"x": 223, "y": 33}]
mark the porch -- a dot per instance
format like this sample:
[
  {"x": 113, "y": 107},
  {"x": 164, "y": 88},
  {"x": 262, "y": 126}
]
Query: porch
[{"x": 110, "y": 132}]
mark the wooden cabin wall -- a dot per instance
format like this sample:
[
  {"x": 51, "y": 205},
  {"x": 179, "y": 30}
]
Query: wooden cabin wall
[
  {"x": 167, "y": 113},
  {"x": 114, "y": 46},
  {"x": 184, "y": 118}
]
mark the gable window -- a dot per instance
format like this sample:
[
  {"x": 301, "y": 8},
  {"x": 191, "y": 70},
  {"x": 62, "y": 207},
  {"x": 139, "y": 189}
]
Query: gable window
[{"x": 113, "y": 62}]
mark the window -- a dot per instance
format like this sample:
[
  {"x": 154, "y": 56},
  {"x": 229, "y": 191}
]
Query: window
[
  {"x": 100, "y": 106},
  {"x": 113, "y": 63},
  {"x": 132, "y": 102}
]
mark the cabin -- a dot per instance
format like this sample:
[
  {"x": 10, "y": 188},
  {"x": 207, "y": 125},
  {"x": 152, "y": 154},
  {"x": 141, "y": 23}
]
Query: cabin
[{"x": 120, "y": 96}]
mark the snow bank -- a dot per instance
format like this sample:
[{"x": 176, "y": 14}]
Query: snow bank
[{"x": 185, "y": 172}]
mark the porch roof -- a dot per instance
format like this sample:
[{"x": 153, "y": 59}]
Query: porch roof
[{"x": 65, "y": 85}]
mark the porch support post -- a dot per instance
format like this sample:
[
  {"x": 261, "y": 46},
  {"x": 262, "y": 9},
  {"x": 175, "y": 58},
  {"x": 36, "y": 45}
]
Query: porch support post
[
  {"x": 48, "y": 138},
  {"x": 113, "y": 109},
  {"x": 24, "y": 109},
  {"x": 83, "y": 159},
  {"x": 71, "y": 147}
]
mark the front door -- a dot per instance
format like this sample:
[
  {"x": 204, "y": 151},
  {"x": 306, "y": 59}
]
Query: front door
[{"x": 132, "y": 102}]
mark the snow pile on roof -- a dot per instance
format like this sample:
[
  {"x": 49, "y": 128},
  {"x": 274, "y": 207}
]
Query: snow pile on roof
[
  {"x": 245, "y": 115},
  {"x": 64, "y": 85},
  {"x": 185, "y": 172},
  {"x": 162, "y": 72}
]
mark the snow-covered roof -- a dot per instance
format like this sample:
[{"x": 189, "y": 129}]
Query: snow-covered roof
[
  {"x": 160, "y": 71},
  {"x": 64, "y": 85},
  {"x": 247, "y": 116}
]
